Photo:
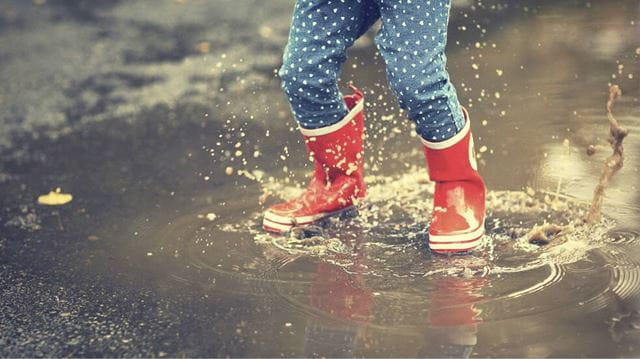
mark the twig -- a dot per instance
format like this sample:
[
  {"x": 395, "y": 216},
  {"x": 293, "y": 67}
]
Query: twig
[
  {"x": 613, "y": 163},
  {"x": 542, "y": 234}
]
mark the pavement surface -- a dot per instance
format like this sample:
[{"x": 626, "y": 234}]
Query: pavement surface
[{"x": 140, "y": 109}]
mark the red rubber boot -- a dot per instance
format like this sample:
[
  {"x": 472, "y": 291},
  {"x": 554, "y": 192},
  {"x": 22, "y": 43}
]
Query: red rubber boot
[
  {"x": 457, "y": 223},
  {"x": 338, "y": 178}
]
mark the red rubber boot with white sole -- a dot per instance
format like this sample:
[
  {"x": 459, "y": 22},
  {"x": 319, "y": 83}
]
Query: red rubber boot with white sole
[
  {"x": 338, "y": 179},
  {"x": 457, "y": 223}
]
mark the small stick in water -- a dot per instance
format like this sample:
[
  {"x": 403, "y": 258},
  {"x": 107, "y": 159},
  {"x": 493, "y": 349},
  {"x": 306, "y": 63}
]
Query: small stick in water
[
  {"x": 543, "y": 234},
  {"x": 613, "y": 163}
]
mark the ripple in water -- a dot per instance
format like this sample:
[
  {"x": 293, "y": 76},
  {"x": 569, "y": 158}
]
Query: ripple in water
[
  {"x": 577, "y": 271},
  {"x": 375, "y": 268}
]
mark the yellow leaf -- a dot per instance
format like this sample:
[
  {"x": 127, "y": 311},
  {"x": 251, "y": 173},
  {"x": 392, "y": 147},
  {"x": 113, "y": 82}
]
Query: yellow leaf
[{"x": 55, "y": 198}]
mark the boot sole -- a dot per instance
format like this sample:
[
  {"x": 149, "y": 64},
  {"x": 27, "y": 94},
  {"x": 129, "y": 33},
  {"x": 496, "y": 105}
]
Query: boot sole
[
  {"x": 456, "y": 243},
  {"x": 282, "y": 224}
]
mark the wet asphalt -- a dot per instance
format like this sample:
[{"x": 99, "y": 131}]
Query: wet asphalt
[
  {"x": 138, "y": 109},
  {"x": 85, "y": 85}
]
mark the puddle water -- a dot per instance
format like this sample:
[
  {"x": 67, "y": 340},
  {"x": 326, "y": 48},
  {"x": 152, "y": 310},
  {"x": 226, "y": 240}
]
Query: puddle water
[
  {"x": 369, "y": 278},
  {"x": 166, "y": 209}
]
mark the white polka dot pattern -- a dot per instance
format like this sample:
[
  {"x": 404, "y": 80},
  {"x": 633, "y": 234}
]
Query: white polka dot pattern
[{"x": 412, "y": 41}]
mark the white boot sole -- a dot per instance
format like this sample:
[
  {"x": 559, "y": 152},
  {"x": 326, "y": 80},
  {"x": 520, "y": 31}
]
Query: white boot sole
[
  {"x": 281, "y": 224},
  {"x": 463, "y": 242}
]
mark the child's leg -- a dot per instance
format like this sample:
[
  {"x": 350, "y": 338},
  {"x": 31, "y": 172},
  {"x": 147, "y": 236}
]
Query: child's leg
[
  {"x": 321, "y": 32},
  {"x": 332, "y": 126},
  {"x": 412, "y": 41}
]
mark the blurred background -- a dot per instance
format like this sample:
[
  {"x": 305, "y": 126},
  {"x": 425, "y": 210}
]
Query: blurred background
[{"x": 165, "y": 118}]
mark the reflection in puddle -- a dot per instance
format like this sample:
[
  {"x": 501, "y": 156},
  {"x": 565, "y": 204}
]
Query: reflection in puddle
[
  {"x": 371, "y": 276},
  {"x": 166, "y": 170}
]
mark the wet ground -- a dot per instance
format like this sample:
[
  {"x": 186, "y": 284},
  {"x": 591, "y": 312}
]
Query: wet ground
[{"x": 165, "y": 121}]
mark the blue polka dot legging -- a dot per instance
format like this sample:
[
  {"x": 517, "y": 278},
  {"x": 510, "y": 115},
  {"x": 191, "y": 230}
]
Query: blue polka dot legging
[{"x": 412, "y": 40}]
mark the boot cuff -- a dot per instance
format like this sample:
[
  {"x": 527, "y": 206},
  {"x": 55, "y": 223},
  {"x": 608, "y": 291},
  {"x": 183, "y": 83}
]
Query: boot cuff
[
  {"x": 453, "y": 140},
  {"x": 357, "y": 108}
]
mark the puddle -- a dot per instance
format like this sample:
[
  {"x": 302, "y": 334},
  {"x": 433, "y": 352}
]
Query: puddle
[{"x": 161, "y": 252}]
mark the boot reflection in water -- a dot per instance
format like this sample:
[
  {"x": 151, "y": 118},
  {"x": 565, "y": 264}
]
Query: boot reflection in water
[
  {"x": 343, "y": 296},
  {"x": 412, "y": 41},
  {"x": 453, "y": 318},
  {"x": 346, "y": 307}
]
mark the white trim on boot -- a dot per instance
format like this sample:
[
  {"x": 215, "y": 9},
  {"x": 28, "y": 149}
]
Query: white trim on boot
[
  {"x": 453, "y": 140},
  {"x": 456, "y": 238},
  {"x": 456, "y": 242},
  {"x": 283, "y": 224},
  {"x": 455, "y": 247},
  {"x": 310, "y": 132}
]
